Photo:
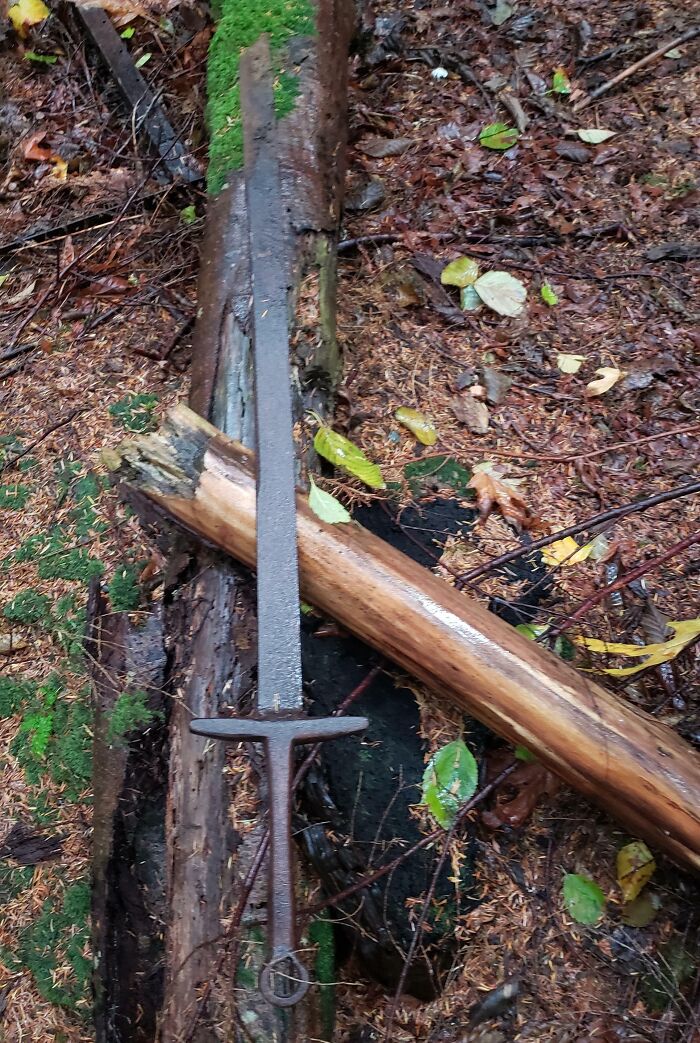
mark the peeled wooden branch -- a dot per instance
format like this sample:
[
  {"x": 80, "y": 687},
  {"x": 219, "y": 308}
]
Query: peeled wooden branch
[{"x": 639, "y": 770}]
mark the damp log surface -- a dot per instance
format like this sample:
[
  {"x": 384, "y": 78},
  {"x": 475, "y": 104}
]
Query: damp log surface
[{"x": 639, "y": 770}]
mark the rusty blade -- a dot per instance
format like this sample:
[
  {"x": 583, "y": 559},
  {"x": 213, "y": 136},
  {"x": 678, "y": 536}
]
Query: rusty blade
[{"x": 279, "y": 654}]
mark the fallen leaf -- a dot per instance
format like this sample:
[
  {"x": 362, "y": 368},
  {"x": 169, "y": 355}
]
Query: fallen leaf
[
  {"x": 140, "y": 62},
  {"x": 635, "y": 868},
  {"x": 566, "y": 552},
  {"x": 10, "y": 643},
  {"x": 548, "y": 295},
  {"x": 573, "y": 152},
  {"x": 380, "y": 148},
  {"x": 501, "y": 12},
  {"x": 341, "y": 452},
  {"x": 595, "y": 135},
  {"x": 325, "y": 506},
  {"x": 608, "y": 376},
  {"x": 128, "y": 32},
  {"x": 449, "y": 780},
  {"x": 583, "y": 899},
  {"x": 60, "y": 168},
  {"x": 188, "y": 214},
  {"x": 469, "y": 299},
  {"x": 502, "y": 293},
  {"x": 418, "y": 424},
  {"x": 22, "y": 294},
  {"x": 685, "y": 632},
  {"x": 494, "y": 490},
  {"x": 463, "y": 271},
  {"x": 561, "y": 84},
  {"x": 569, "y": 363},
  {"x": 472, "y": 413},
  {"x": 498, "y": 136},
  {"x": 27, "y": 13},
  {"x": 32, "y": 150},
  {"x": 642, "y": 911},
  {"x": 496, "y": 383},
  {"x": 43, "y": 59}
]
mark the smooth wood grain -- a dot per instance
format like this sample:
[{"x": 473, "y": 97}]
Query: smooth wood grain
[{"x": 636, "y": 768}]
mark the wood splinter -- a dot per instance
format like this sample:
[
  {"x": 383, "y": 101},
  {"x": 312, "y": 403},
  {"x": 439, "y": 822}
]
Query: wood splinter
[{"x": 634, "y": 767}]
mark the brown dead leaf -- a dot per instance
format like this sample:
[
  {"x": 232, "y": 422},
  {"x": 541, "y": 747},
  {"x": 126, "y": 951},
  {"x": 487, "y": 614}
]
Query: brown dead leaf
[
  {"x": 517, "y": 798},
  {"x": 493, "y": 490},
  {"x": 379, "y": 148},
  {"x": 472, "y": 413},
  {"x": 32, "y": 150}
]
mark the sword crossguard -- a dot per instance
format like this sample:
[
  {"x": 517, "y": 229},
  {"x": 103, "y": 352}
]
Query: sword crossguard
[{"x": 283, "y": 980}]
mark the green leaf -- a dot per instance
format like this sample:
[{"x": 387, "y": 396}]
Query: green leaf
[
  {"x": 595, "y": 135},
  {"x": 326, "y": 507},
  {"x": 448, "y": 781},
  {"x": 140, "y": 62},
  {"x": 523, "y": 754},
  {"x": 498, "y": 136},
  {"x": 418, "y": 424},
  {"x": 188, "y": 215},
  {"x": 128, "y": 32},
  {"x": 461, "y": 272},
  {"x": 584, "y": 900},
  {"x": 548, "y": 295},
  {"x": 469, "y": 299},
  {"x": 341, "y": 452},
  {"x": 45, "y": 59},
  {"x": 502, "y": 293},
  {"x": 560, "y": 81}
]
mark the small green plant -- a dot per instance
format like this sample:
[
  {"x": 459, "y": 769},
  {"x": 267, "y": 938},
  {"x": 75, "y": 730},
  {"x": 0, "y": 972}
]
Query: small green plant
[
  {"x": 124, "y": 593},
  {"x": 129, "y": 713},
  {"x": 73, "y": 564},
  {"x": 56, "y": 940},
  {"x": 27, "y": 607},
  {"x": 15, "y": 692},
  {"x": 14, "y": 497},
  {"x": 135, "y": 412}
]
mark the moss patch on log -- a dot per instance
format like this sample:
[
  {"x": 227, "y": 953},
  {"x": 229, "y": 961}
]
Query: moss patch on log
[{"x": 240, "y": 25}]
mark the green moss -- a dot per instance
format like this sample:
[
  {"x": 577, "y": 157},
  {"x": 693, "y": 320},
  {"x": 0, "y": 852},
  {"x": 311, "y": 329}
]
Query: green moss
[
  {"x": 241, "y": 23},
  {"x": 14, "y": 880},
  {"x": 74, "y": 564},
  {"x": 14, "y": 497},
  {"x": 27, "y": 463},
  {"x": 57, "y": 939},
  {"x": 14, "y": 694},
  {"x": 124, "y": 593},
  {"x": 129, "y": 713},
  {"x": 68, "y": 626},
  {"x": 27, "y": 607},
  {"x": 135, "y": 412},
  {"x": 321, "y": 934}
]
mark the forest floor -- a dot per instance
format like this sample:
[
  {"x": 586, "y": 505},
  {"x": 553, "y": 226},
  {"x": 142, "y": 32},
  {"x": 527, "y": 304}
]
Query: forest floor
[{"x": 103, "y": 315}]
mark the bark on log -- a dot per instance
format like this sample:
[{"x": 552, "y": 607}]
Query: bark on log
[
  {"x": 211, "y": 623},
  {"x": 639, "y": 770}
]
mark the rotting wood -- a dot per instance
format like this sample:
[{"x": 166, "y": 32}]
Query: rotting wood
[
  {"x": 639, "y": 770},
  {"x": 213, "y": 637}
]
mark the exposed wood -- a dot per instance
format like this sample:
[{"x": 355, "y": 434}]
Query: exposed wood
[
  {"x": 639, "y": 770},
  {"x": 214, "y": 634}
]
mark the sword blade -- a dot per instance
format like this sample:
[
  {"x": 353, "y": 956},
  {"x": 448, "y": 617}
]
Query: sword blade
[{"x": 279, "y": 653}]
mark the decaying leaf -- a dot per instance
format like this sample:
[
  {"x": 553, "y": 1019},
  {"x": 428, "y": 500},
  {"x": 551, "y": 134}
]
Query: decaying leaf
[
  {"x": 561, "y": 84},
  {"x": 341, "y": 452},
  {"x": 325, "y": 506},
  {"x": 472, "y": 413},
  {"x": 501, "y": 292},
  {"x": 27, "y": 13},
  {"x": 449, "y": 780},
  {"x": 583, "y": 899},
  {"x": 498, "y": 136},
  {"x": 418, "y": 424},
  {"x": 685, "y": 632},
  {"x": 642, "y": 911},
  {"x": 635, "y": 868},
  {"x": 461, "y": 272},
  {"x": 569, "y": 363},
  {"x": 493, "y": 490},
  {"x": 566, "y": 552},
  {"x": 595, "y": 135},
  {"x": 608, "y": 376},
  {"x": 518, "y": 797},
  {"x": 379, "y": 148}
]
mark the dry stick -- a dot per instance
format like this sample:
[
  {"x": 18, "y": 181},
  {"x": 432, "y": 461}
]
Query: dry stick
[
  {"x": 623, "y": 581},
  {"x": 573, "y": 530},
  {"x": 688, "y": 35},
  {"x": 233, "y": 931},
  {"x": 425, "y": 841}
]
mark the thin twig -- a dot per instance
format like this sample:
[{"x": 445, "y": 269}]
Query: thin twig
[
  {"x": 37, "y": 441},
  {"x": 623, "y": 581},
  {"x": 573, "y": 530},
  {"x": 685, "y": 37}
]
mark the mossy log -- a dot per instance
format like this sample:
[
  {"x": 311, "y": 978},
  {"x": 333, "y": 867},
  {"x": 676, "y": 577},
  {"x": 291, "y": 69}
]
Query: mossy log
[{"x": 637, "y": 769}]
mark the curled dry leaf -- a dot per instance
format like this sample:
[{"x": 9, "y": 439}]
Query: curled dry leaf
[
  {"x": 517, "y": 798},
  {"x": 685, "y": 632},
  {"x": 418, "y": 424},
  {"x": 608, "y": 376},
  {"x": 472, "y": 413},
  {"x": 493, "y": 490},
  {"x": 566, "y": 552},
  {"x": 380, "y": 148}
]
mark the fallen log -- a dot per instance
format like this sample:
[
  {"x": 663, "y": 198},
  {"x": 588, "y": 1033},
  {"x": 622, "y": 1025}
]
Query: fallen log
[{"x": 639, "y": 770}]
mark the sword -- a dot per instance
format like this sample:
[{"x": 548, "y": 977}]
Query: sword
[{"x": 278, "y": 720}]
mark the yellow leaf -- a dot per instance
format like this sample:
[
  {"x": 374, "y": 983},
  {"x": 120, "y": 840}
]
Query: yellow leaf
[
  {"x": 27, "y": 13},
  {"x": 685, "y": 631},
  {"x": 635, "y": 868},
  {"x": 418, "y": 424},
  {"x": 569, "y": 363},
  {"x": 566, "y": 552},
  {"x": 607, "y": 377},
  {"x": 60, "y": 168}
]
